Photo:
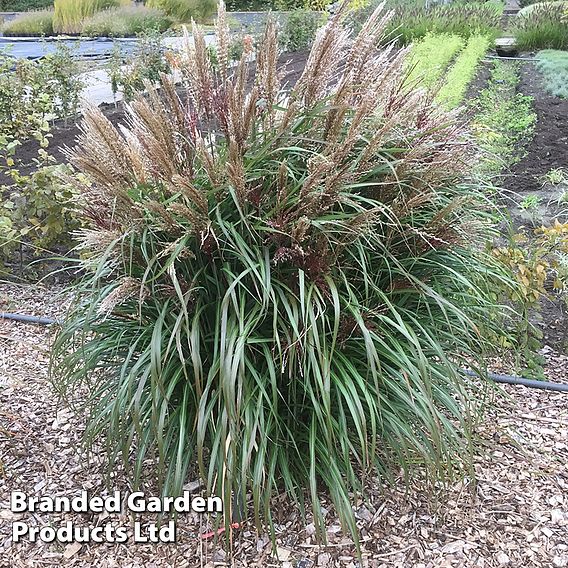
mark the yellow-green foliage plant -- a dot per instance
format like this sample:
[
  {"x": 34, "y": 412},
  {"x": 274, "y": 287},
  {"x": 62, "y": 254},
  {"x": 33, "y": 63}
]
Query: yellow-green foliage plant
[
  {"x": 462, "y": 71},
  {"x": 185, "y": 10},
  {"x": 430, "y": 57},
  {"x": 70, "y": 14}
]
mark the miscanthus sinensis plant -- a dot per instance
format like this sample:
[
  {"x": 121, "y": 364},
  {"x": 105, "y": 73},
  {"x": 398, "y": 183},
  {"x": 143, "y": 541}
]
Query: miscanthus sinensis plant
[{"x": 279, "y": 286}]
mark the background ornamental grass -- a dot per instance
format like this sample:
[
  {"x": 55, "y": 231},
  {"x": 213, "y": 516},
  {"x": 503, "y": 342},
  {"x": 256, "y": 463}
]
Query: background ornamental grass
[{"x": 280, "y": 287}]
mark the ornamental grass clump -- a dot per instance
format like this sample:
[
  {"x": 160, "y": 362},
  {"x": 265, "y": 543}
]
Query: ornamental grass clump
[{"x": 279, "y": 287}]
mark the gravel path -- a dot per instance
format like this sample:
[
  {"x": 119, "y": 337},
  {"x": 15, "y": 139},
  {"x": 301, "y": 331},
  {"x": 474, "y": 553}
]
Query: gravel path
[{"x": 515, "y": 515}]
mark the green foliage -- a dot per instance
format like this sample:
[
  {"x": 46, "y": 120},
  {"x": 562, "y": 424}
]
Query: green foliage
[
  {"x": 413, "y": 20},
  {"x": 463, "y": 71},
  {"x": 38, "y": 211},
  {"x": 35, "y": 208},
  {"x": 504, "y": 119},
  {"x": 37, "y": 92},
  {"x": 186, "y": 10},
  {"x": 554, "y": 67},
  {"x": 299, "y": 29},
  {"x": 39, "y": 23},
  {"x": 70, "y": 14},
  {"x": 126, "y": 22},
  {"x": 129, "y": 72},
  {"x": 280, "y": 287},
  {"x": 430, "y": 57},
  {"x": 24, "y": 5},
  {"x": 528, "y": 9},
  {"x": 539, "y": 263},
  {"x": 545, "y": 27}
]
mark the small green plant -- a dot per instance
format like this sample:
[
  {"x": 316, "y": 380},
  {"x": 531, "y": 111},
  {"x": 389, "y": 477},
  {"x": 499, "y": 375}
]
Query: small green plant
[
  {"x": 555, "y": 176},
  {"x": 463, "y": 71},
  {"x": 530, "y": 202},
  {"x": 299, "y": 29},
  {"x": 38, "y": 212},
  {"x": 539, "y": 263},
  {"x": 129, "y": 73},
  {"x": 37, "y": 23}
]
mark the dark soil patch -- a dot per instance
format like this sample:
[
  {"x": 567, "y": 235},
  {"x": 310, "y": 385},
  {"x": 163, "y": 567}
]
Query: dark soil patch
[{"x": 549, "y": 147}]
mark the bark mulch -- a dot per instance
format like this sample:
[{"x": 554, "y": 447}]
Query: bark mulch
[{"x": 516, "y": 514}]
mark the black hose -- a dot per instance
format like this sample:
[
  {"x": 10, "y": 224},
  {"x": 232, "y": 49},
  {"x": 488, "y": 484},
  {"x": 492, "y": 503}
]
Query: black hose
[
  {"x": 507, "y": 379},
  {"x": 27, "y": 319},
  {"x": 531, "y": 383}
]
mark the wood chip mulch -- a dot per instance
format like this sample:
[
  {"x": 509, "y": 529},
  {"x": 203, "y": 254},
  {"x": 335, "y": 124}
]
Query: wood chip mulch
[{"x": 515, "y": 514}]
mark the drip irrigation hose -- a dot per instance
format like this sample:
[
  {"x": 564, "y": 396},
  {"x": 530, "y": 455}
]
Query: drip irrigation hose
[
  {"x": 531, "y": 383},
  {"x": 27, "y": 319},
  {"x": 507, "y": 379}
]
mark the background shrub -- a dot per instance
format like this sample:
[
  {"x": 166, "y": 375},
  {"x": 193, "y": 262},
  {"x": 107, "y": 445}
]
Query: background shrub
[
  {"x": 544, "y": 27},
  {"x": 126, "y": 21},
  {"x": 70, "y": 14},
  {"x": 24, "y": 5},
  {"x": 186, "y": 10},
  {"x": 283, "y": 287},
  {"x": 37, "y": 23},
  {"x": 299, "y": 29},
  {"x": 413, "y": 20}
]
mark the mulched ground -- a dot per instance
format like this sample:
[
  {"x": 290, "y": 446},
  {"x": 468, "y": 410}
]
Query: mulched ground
[{"x": 516, "y": 514}]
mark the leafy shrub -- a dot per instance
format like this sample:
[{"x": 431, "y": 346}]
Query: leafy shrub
[
  {"x": 24, "y": 5},
  {"x": 413, "y": 21},
  {"x": 545, "y": 27},
  {"x": 280, "y": 287},
  {"x": 38, "y": 211},
  {"x": 299, "y": 30},
  {"x": 554, "y": 67},
  {"x": 462, "y": 71},
  {"x": 126, "y": 22},
  {"x": 38, "y": 23},
  {"x": 37, "y": 92},
  {"x": 430, "y": 57},
  {"x": 185, "y": 10},
  {"x": 70, "y": 14},
  {"x": 129, "y": 72}
]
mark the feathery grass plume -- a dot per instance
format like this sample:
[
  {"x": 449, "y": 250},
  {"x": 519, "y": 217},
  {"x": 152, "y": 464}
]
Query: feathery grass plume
[{"x": 311, "y": 279}]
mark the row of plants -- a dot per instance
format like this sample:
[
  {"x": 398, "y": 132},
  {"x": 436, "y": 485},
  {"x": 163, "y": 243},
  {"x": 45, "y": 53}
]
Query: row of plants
[
  {"x": 463, "y": 71},
  {"x": 114, "y": 18},
  {"x": 446, "y": 64}
]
